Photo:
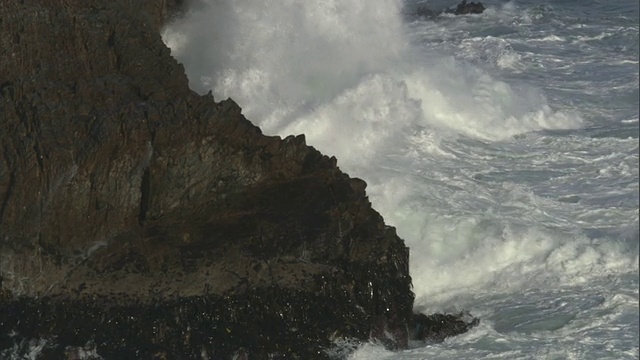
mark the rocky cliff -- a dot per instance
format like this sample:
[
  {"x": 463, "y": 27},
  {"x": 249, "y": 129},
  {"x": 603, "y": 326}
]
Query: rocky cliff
[{"x": 139, "y": 219}]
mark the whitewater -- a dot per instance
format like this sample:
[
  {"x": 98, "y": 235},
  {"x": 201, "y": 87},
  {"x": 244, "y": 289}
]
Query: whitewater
[{"x": 502, "y": 146}]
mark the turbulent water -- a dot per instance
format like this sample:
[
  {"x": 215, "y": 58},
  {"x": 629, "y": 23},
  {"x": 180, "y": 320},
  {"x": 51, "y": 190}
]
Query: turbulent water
[{"x": 503, "y": 147}]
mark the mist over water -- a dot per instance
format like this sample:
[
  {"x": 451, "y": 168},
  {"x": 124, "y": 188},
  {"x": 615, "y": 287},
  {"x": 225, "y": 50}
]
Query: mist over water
[
  {"x": 295, "y": 66},
  {"x": 512, "y": 188}
]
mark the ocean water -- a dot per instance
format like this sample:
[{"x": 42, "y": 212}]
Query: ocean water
[{"x": 502, "y": 146}]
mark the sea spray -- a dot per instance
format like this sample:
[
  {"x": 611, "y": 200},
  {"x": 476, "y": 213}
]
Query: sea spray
[
  {"x": 290, "y": 63},
  {"x": 348, "y": 76},
  {"x": 503, "y": 147}
]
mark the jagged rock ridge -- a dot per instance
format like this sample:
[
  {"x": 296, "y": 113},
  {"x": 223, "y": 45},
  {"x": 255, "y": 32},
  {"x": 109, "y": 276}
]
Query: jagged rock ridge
[{"x": 152, "y": 222}]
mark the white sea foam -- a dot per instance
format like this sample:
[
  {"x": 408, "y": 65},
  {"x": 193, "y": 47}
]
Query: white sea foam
[
  {"x": 552, "y": 38},
  {"x": 482, "y": 254},
  {"x": 284, "y": 61},
  {"x": 30, "y": 349},
  {"x": 451, "y": 125}
]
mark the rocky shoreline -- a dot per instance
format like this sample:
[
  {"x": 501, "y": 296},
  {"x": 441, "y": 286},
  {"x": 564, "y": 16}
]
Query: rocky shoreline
[{"x": 139, "y": 219}]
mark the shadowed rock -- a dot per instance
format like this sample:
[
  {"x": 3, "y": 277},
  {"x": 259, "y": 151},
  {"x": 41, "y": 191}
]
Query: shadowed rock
[
  {"x": 461, "y": 9},
  {"x": 469, "y": 8},
  {"x": 437, "y": 327}
]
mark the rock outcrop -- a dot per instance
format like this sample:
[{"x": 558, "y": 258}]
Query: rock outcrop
[
  {"x": 425, "y": 12},
  {"x": 437, "y": 327},
  {"x": 468, "y": 8},
  {"x": 463, "y": 8},
  {"x": 139, "y": 219}
]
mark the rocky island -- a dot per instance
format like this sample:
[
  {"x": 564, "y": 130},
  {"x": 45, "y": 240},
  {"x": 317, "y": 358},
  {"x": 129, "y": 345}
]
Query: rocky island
[
  {"x": 463, "y": 8},
  {"x": 140, "y": 220}
]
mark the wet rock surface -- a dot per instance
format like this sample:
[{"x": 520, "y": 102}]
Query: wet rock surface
[
  {"x": 185, "y": 328},
  {"x": 143, "y": 220},
  {"x": 463, "y": 8},
  {"x": 437, "y": 327},
  {"x": 469, "y": 8}
]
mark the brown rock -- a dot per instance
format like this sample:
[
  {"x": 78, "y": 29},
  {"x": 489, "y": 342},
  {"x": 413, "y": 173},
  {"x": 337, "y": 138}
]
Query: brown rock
[{"x": 122, "y": 193}]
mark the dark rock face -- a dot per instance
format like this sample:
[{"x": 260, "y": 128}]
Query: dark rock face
[
  {"x": 461, "y": 9},
  {"x": 469, "y": 8},
  {"x": 146, "y": 221},
  {"x": 162, "y": 11},
  {"x": 426, "y": 12},
  {"x": 265, "y": 323},
  {"x": 123, "y": 192},
  {"x": 437, "y": 327}
]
